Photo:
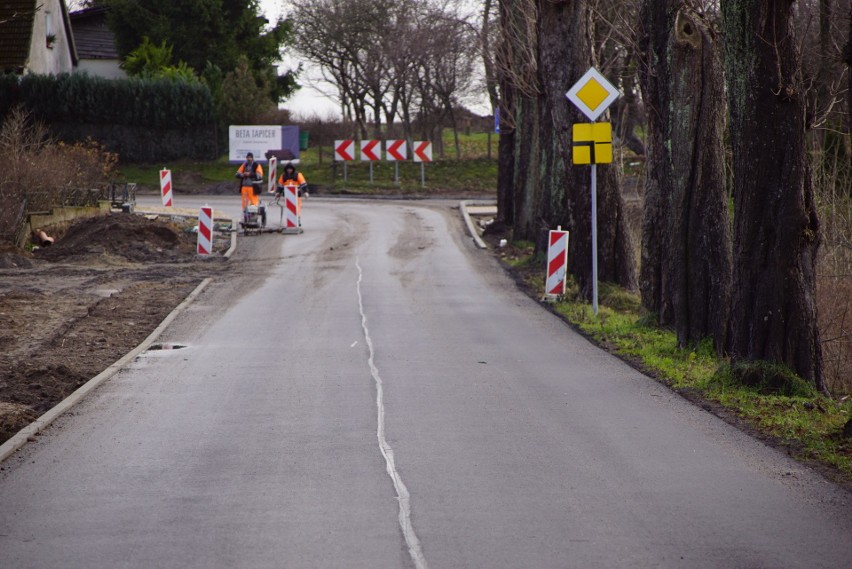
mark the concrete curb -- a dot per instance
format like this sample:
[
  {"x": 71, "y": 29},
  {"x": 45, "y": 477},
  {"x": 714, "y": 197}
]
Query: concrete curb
[
  {"x": 463, "y": 205},
  {"x": 233, "y": 239},
  {"x": 24, "y": 435}
]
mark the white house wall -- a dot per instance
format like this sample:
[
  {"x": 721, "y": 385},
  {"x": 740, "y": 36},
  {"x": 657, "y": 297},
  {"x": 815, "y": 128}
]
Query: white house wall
[
  {"x": 54, "y": 60},
  {"x": 106, "y": 68}
]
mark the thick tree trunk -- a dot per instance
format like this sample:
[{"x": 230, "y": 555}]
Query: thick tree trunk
[
  {"x": 776, "y": 231},
  {"x": 686, "y": 259},
  {"x": 565, "y": 54}
]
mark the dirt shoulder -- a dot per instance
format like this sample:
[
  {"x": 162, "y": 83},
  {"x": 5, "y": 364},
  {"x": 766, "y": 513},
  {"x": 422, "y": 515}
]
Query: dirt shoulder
[{"x": 69, "y": 311}]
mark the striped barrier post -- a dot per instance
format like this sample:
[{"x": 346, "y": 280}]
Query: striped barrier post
[
  {"x": 291, "y": 210},
  {"x": 557, "y": 262},
  {"x": 205, "y": 231},
  {"x": 273, "y": 174},
  {"x": 166, "y": 187}
]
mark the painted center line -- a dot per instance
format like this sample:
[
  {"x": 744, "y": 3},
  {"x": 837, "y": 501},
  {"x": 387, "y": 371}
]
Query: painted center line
[{"x": 403, "y": 497}]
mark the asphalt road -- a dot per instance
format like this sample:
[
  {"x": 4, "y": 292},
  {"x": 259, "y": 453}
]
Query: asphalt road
[{"x": 374, "y": 393}]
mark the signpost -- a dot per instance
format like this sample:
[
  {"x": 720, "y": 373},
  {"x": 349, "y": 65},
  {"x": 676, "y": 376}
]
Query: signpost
[
  {"x": 422, "y": 154},
  {"x": 593, "y": 94},
  {"x": 344, "y": 150},
  {"x": 396, "y": 150},
  {"x": 369, "y": 152}
]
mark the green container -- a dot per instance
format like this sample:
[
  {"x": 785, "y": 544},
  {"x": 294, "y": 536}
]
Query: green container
[{"x": 303, "y": 140}]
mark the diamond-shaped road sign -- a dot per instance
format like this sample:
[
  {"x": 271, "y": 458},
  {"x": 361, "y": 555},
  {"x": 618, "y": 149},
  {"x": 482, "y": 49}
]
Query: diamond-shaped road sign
[
  {"x": 396, "y": 150},
  {"x": 344, "y": 150},
  {"x": 369, "y": 150},
  {"x": 592, "y": 94}
]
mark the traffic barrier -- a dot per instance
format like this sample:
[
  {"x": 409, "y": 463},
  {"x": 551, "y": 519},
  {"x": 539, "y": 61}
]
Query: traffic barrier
[
  {"x": 205, "y": 231},
  {"x": 291, "y": 210},
  {"x": 166, "y": 187},
  {"x": 273, "y": 174},
  {"x": 557, "y": 262}
]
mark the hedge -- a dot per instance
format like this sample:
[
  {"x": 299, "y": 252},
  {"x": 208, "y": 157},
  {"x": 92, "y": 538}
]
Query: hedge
[{"x": 142, "y": 120}]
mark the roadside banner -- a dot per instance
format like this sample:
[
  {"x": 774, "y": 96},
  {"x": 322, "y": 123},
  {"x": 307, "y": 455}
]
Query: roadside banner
[
  {"x": 166, "y": 187},
  {"x": 557, "y": 262},
  {"x": 205, "y": 231}
]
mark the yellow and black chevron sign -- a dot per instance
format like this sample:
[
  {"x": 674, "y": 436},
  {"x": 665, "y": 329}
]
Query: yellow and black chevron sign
[{"x": 592, "y": 143}]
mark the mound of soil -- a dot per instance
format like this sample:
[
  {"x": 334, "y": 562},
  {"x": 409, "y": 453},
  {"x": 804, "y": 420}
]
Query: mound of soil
[
  {"x": 70, "y": 310},
  {"x": 131, "y": 237}
]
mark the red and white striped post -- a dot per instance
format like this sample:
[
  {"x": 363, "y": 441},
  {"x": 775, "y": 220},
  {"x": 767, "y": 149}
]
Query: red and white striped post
[
  {"x": 557, "y": 262},
  {"x": 273, "y": 174},
  {"x": 291, "y": 209},
  {"x": 166, "y": 187},
  {"x": 205, "y": 231}
]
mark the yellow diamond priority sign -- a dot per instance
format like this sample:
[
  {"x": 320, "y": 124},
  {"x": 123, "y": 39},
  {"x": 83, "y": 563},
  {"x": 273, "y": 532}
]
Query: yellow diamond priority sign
[
  {"x": 592, "y": 143},
  {"x": 592, "y": 94}
]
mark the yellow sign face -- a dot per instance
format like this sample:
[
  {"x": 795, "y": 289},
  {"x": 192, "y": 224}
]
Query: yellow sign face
[
  {"x": 592, "y": 143},
  {"x": 592, "y": 94}
]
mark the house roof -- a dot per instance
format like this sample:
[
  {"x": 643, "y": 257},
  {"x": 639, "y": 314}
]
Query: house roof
[
  {"x": 16, "y": 28},
  {"x": 93, "y": 38}
]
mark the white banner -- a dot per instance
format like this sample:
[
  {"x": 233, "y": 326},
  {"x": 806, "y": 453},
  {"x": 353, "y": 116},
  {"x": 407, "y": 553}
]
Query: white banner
[{"x": 257, "y": 139}]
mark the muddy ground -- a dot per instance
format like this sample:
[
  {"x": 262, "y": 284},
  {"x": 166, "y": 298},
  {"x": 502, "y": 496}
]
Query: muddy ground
[{"x": 70, "y": 310}]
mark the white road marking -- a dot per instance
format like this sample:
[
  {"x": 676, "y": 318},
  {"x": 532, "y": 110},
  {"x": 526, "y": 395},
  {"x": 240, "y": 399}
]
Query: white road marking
[
  {"x": 355, "y": 343},
  {"x": 387, "y": 452}
]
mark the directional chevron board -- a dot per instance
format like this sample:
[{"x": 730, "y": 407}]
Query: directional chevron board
[
  {"x": 396, "y": 151},
  {"x": 371, "y": 150}
]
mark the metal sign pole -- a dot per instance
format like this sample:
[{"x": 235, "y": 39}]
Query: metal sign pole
[
  {"x": 422, "y": 175},
  {"x": 595, "y": 238},
  {"x": 345, "y": 178},
  {"x": 371, "y": 171},
  {"x": 396, "y": 173}
]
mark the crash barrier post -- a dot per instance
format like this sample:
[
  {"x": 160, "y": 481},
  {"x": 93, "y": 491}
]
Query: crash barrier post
[
  {"x": 205, "y": 231},
  {"x": 166, "y": 187},
  {"x": 557, "y": 263},
  {"x": 291, "y": 210}
]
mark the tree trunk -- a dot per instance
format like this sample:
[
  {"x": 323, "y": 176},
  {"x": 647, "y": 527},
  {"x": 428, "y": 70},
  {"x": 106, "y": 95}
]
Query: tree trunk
[
  {"x": 565, "y": 54},
  {"x": 776, "y": 231},
  {"x": 686, "y": 259}
]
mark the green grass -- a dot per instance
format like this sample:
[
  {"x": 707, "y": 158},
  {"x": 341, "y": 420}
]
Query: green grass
[{"x": 475, "y": 172}]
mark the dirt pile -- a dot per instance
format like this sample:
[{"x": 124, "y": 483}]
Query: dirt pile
[
  {"x": 70, "y": 310},
  {"x": 131, "y": 237}
]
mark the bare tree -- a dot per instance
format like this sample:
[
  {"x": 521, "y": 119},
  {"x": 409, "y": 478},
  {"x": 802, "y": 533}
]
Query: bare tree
[
  {"x": 776, "y": 230},
  {"x": 686, "y": 259}
]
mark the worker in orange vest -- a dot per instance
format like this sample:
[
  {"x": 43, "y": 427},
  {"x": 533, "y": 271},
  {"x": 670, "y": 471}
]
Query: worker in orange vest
[
  {"x": 250, "y": 174},
  {"x": 291, "y": 177}
]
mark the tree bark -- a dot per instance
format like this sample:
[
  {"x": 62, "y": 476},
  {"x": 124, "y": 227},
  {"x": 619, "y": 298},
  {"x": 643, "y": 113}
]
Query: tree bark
[
  {"x": 776, "y": 230},
  {"x": 686, "y": 258},
  {"x": 565, "y": 54}
]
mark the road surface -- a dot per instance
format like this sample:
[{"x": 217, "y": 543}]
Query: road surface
[{"x": 375, "y": 393}]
